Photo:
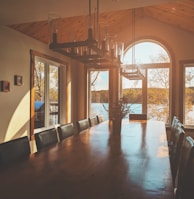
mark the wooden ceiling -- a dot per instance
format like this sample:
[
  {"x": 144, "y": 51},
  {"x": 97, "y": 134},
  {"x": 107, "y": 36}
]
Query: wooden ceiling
[{"x": 179, "y": 14}]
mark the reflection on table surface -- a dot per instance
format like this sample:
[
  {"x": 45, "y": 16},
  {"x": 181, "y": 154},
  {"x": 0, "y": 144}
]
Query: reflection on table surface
[{"x": 97, "y": 164}]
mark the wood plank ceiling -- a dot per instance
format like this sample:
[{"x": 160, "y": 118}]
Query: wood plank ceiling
[{"x": 179, "y": 14}]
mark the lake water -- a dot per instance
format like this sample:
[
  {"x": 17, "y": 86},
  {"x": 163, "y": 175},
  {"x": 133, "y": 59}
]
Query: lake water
[{"x": 101, "y": 109}]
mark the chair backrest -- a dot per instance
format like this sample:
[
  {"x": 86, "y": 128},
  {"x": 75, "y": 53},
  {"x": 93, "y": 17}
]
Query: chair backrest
[
  {"x": 93, "y": 121},
  {"x": 185, "y": 186},
  {"x": 65, "y": 130},
  {"x": 175, "y": 154},
  {"x": 100, "y": 118},
  {"x": 82, "y": 124},
  {"x": 134, "y": 116},
  {"x": 177, "y": 133},
  {"x": 46, "y": 138},
  {"x": 175, "y": 124},
  {"x": 14, "y": 150},
  {"x": 172, "y": 129},
  {"x": 175, "y": 120}
]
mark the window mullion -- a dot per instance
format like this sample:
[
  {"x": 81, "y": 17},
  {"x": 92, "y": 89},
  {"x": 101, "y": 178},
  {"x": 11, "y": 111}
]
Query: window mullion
[{"x": 47, "y": 103}]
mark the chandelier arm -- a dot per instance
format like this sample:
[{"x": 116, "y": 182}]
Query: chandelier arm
[{"x": 91, "y": 50}]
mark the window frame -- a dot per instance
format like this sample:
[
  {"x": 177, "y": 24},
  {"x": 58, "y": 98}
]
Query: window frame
[
  {"x": 183, "y": 65},
  {"x": 172, "y": 71},
  {"x": 146, "y": 67},
  {"x": 33, "y": 55},
  {"x": 89, "y": 70}
]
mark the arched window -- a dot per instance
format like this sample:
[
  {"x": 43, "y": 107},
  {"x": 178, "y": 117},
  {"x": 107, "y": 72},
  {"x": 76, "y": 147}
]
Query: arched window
[{"x": 151, "y": 94}]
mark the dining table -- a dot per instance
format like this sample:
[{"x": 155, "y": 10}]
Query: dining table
[{"x": 96, "y": 164}]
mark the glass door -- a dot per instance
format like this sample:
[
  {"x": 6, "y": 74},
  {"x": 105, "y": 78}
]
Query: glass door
[
  {"x": 132, "y": 92},
  {"x": 158, "y": 94},
  {"x": 46, "y": 96},
  {"x": 99, "y": 92}
]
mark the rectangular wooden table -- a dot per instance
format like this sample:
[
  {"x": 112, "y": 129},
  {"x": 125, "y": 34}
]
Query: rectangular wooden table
[{"x": 96, "y": 164}]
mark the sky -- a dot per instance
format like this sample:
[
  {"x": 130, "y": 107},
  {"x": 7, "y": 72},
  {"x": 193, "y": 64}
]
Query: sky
[{"x": 143, "y": 52}]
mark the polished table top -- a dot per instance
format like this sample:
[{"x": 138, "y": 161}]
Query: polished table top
[{"x": 96, "y": 164}]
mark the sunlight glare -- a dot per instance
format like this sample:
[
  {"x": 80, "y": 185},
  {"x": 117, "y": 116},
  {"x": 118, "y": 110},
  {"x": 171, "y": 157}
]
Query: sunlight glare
[{"x": 144, "y": 53}]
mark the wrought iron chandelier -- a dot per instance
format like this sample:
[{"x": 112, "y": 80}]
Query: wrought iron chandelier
[{"x": 92, "y": 51}]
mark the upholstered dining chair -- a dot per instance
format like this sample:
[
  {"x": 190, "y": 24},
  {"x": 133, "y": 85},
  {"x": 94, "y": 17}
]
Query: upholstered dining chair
[
  {"x": 65, "y": 131},
  {"x": 172, "y": 129},
  {"x": 93, "y": 121},
  {"x": 175, "y": 124},
  {"x": 14, "y": 150},
  {"x": 134, "y": 116},
  {"x": 46, "y": 138},
  {"x": 185, "y": 181},
  {"x": 176, "y": 151},
  {"x": 100, "y": 118},
  {"x": 82, "y": 124}
]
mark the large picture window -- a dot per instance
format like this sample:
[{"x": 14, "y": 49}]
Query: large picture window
[{"x": 150, "y": 95}]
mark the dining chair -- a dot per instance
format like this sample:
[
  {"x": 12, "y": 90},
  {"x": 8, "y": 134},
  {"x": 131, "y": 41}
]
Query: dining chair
[
  {"x": 65, "y": 131},
  {"x": 134, "y": 116},
  {"x": 14, "y": 150},
  {"x": 100, "y": 118},
  {"x": 45, "y": 138},
  {"x": 175, "y": 124},
  {"x": 82, "y": 124},
  {"x": 172, "y": 129},
  {"x": 93, "y": 121},
  {"x": 176, "y": 151},
  {"x": 185, "y": 181},
  {"x": 174, "y": 134}
]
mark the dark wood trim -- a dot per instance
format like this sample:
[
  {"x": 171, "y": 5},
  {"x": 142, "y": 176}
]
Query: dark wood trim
[
  {"x": 42, "y": 55},
  {"x": 32, "y": 65}
]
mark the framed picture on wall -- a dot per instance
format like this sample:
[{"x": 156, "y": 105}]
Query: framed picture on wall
[
  {"x": 4, "y": 86},
  {"x": 18, "y": 80}
]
